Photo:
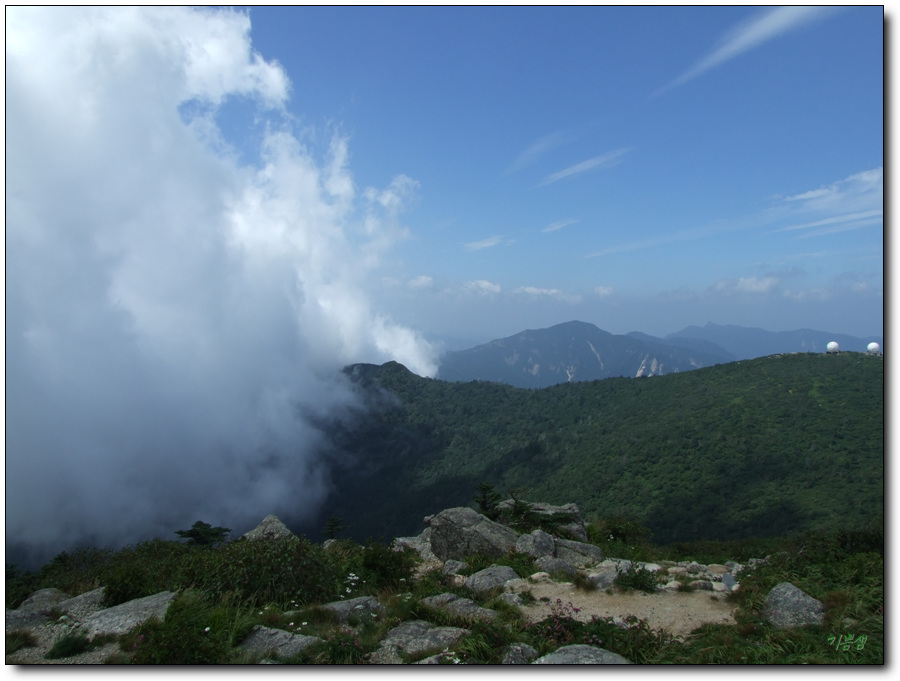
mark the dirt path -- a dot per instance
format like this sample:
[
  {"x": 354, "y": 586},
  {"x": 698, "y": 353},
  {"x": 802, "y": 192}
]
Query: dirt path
[{"x": 677, "y": 612}]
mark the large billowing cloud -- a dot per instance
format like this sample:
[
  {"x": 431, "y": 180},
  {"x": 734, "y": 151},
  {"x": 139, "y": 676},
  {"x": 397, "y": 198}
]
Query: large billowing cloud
[{"x": 172, "y": 313}]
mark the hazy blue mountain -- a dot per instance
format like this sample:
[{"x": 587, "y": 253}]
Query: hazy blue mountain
[
  {"x": 574, "y": 351},
  {"x": 696, "y": 344},
  {"x": 748, "y": 343}
]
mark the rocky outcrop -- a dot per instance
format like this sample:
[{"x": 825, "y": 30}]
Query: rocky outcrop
[
  {"x": 493, "y": 577},
  {"x": 787, "y": 606},
  {"x": 277, "y": 641},
  {"x": 582, "y": 654},
  {"x": 577, "y": 553},
  {"x": 270, "y": 528},
  {"x": 461, "y": 607},
  {"x": 460, "y": 532},
  {"x": 536, "y": 544},
  {"x": 414, "y": 638},
  {"x": 356, "y": 608},
  {"x": 566, "y": 517},
  {"x": 121, "y": 618}
]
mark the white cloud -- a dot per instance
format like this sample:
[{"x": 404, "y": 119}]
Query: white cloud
[
  {"x": 604, "y": 291},
  {"x": 421, "y": 281},
  {"x": 170, "y": 313},
  {"x": 608, "y": 160},
  {"x": 747, "y": 285},
  {"x": 764, "y": 27},
  {"x": 554, "y": 226},
  {"x": 485, "y": 243},
  {"x": 755, "y": 284},
  {"x": 547, "y": 292},
  {"x": 481, "y": 286}
]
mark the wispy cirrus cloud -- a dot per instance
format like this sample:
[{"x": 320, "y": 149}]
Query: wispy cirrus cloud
[
  {"x": 535, "y": 151},
  {"x": 607, "y": 160},
  {"x": 481, "y": 245},
  {"x": 852, "y": 203},
  {"x": 554, "y": 226},
  {"x": 752, "y": 33}
]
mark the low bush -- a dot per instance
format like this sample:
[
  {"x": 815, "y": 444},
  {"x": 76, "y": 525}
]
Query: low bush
[
  {"x": 73, "y": 643},
  {"x": 193, "y": 632},
  {"x": 266, "y": 571},
  {"x": 637, "y": 577}
]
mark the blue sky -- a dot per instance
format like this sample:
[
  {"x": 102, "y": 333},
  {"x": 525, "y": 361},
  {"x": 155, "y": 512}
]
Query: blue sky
[
  {"x": 210, "y": 212},
  {"x": 642, "y": 169}
]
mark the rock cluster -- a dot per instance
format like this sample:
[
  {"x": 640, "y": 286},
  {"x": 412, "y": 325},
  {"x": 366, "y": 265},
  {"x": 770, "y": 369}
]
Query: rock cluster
[{"x": 452, "y": 535}]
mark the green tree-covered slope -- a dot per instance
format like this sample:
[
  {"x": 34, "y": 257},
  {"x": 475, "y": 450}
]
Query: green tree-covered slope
[{"x": 759, "y": 447}]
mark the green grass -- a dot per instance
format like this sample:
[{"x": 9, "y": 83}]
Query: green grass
[{"x": 18, "y": 639}]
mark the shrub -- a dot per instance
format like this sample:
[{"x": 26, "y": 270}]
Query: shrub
[
  {"x": 73, "y": 643},
  {"x": 145, "y": 569},
  {"x": 637, "y": 578},
  {"x": 76, "y": 572},
  {"x": 19, "y": 586},
  {"x": 266, "y": 571},
  {"x": 189, "y": 634}
]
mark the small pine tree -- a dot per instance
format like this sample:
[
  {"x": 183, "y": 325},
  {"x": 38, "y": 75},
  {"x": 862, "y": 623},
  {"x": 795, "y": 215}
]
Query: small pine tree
[
  {"x": 487, "y": 500},
  {"x": 333, "y": 526},
  {"x": 204, "y": 534}
]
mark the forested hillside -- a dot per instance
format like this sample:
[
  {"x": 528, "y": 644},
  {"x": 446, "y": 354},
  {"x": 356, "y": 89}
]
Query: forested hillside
[{"x": 757, "y": 447}]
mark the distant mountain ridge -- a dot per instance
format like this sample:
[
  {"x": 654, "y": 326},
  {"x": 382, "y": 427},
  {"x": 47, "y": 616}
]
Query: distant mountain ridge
[
  {"x": 580, "y": 351},
  {"x": 749, "y": 343},
  {"x": 574, "y": 351}
]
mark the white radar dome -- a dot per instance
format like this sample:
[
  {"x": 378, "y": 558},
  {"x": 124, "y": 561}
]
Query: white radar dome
[
  {"x": 832, "y": 347},
  {"x": 873, "y": 348}
]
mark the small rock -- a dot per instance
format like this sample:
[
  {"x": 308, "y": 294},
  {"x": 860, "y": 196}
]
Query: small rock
[
  {"x": 518, "y": 653},
  {"x": 452, "y": 567}
]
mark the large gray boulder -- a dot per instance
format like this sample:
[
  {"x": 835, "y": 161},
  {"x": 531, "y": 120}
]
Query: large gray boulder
[
  {"x": 536, "y": 544},
  {"x": 550, "y": 565},
  {"x": 362, "y": 608},
  {"x": 582, "y": 654},
  {"x": 578, "y": 553},
  {"x": 43, "y": 600},
  {"x": 121, "y": 618},
  {"x": 281, "y": 643},
  {"x": 461, "y": 607},
  {"x": 461, "y": 531},
  {"x": 787, "y": 606},
  {"x": 414, "y": 637},
  {"x": 490, "y": 578},
  {"x": 270, "y": 528}
]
